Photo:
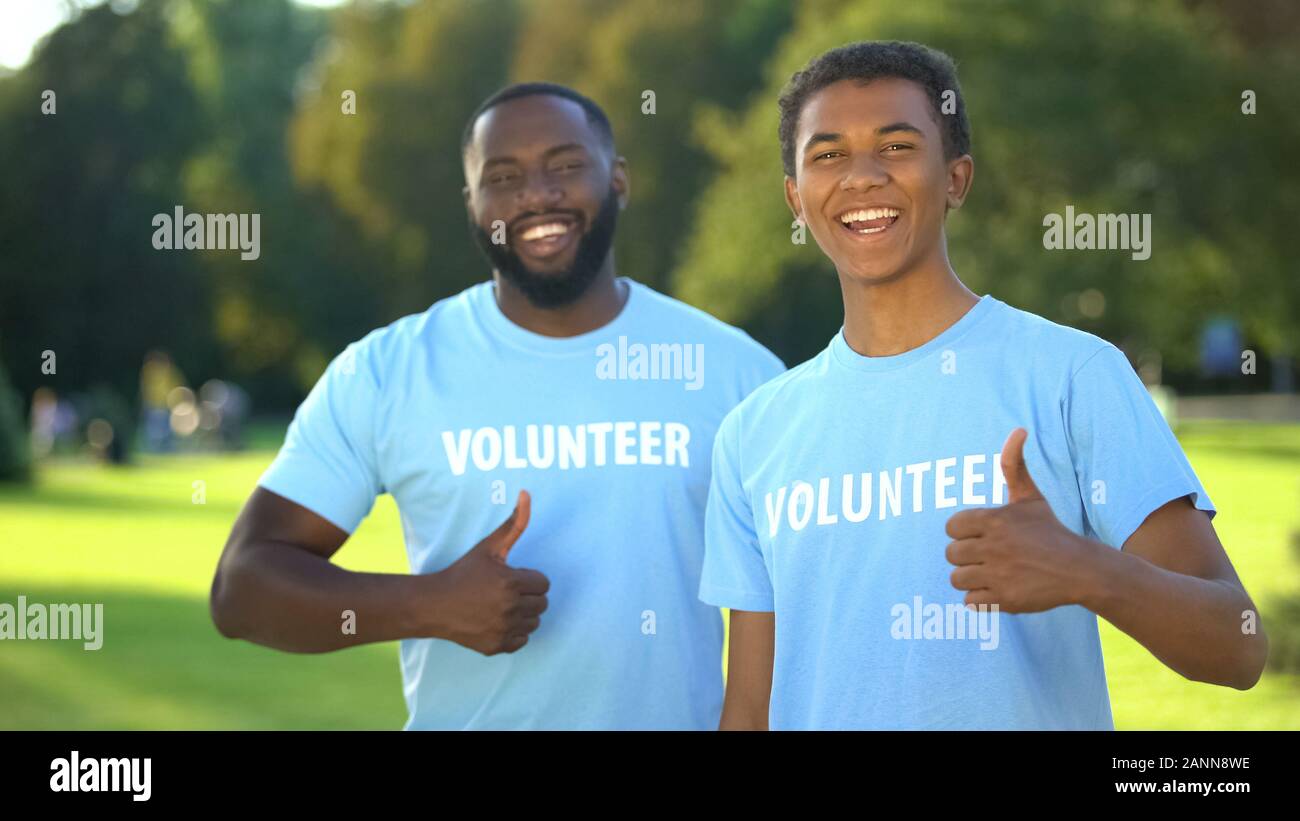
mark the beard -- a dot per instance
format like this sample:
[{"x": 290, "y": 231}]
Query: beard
[{"x": 553, "y": 290}]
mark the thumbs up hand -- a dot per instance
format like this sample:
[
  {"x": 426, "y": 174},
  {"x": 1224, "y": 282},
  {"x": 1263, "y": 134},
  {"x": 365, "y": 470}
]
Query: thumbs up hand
[
  {"x": 483, "y": 603},
  {"x": 1020, "y": 485},
  {"x": 497, "y": 544},
  {"x": 1019, "y": 556}
]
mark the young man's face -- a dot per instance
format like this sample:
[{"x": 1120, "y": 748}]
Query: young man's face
[
  {"x": 537, "y": 165},
  {"x": 874, "y": 148}
]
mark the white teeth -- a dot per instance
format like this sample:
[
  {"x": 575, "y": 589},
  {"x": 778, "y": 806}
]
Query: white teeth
[
  {"x": 548, "y": 229},
  {"x": 864, "y": 214}
]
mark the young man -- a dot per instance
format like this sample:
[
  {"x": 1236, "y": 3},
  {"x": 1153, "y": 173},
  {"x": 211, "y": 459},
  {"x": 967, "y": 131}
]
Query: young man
[
  {"x": 582, "y": 394},
  {"x": 945, "y": 449}
]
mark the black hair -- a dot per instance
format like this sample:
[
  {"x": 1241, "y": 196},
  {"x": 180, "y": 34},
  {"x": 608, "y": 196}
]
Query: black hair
[
  {"x": 595, "y": 114},
  {"x": 871, "y": 60}
]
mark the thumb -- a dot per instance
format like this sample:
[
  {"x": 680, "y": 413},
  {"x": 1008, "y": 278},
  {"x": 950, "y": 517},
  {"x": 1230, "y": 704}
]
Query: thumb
[
  {"x": 1020, "y": 485},
  {"x": 498, "y": 542}
]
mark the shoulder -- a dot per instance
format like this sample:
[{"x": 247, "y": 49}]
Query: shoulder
[
  {"x": 696, "y": 325},
  {"x": 1051, "y": 344},
  {"x": 389, "y": 349},
  {"x": 411, "y": 329},
  {"x": 1085, "y": 373},
  {"x": 773, "y": 398}
]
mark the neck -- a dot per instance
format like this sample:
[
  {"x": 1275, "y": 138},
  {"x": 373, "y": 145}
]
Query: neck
[
  {"x": 894, "y": 316},
  {"x": 597, "y": 306}
]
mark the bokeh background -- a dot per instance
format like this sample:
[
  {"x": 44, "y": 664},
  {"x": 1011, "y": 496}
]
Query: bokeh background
[{"x": 143, "y": 391}]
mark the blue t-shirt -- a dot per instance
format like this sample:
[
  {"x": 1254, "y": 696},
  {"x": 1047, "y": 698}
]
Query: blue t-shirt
[
  {"x": 832, "y": 486},
  {"x": 454, "y": 410}
]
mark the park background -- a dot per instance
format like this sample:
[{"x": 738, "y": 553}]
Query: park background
[{"x": 236, "y": 106}]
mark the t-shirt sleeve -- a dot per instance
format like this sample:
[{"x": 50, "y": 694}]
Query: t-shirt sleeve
[
  {"x": 328, "y": 461},
  {"x": 771, "y": 367},
  {"x": 734, "y": 574},
  {"x": 1126, "y": 458},
  {"x": 765, "y": 366},
  {"x": 747, "y": 366}
]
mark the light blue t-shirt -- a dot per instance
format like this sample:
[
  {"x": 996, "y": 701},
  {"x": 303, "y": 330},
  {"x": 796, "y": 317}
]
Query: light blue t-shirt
[
  {"x": 455, "y": 410},
  {"x": 832, "y": 485}
]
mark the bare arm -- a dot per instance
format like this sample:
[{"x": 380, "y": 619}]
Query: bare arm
[
  {"x": 752, "y": 648},
  {"x": 276, "y": 586},
  {"x": 1172, "y": 587},
  {"x": 1174, "y": 590}
]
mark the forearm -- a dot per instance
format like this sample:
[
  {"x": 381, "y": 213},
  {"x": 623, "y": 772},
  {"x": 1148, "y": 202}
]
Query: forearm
[
  {"x": 1193, "y": 625},
  {"x": 750, "y": 654},
  {"x": 287, "y": 598},
  {"x": 742, "y": 714}
]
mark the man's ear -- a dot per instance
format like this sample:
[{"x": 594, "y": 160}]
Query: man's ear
[
  {"x": 792, "y": 198},
  {"x": 621, "y": 182},
  {"x": 469, "y": 202},
  {"x": 961, "y": 173}
]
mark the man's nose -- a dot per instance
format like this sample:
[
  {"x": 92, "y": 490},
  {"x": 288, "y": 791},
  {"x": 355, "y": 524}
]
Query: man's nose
[
  {"x": 865, "y": 172},
  {"x": 539, "y": 192}
]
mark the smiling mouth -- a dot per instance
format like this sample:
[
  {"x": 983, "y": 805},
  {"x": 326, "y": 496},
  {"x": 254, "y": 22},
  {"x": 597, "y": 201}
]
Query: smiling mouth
[
  {"x": 547, "y": 237},
  {"x": 869, "y": 221}
]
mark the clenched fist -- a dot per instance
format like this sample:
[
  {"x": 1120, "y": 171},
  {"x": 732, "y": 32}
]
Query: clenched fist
[{"x": 482, "y": 602}]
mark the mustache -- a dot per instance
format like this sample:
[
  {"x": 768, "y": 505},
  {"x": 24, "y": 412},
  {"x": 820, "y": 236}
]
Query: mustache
[
  {"x": 577, "y": 216},
  {"x": 560, "y": 287}
]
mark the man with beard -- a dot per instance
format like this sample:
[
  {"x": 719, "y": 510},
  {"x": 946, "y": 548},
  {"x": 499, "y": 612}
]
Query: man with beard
[{"x": 579, "y": 609}]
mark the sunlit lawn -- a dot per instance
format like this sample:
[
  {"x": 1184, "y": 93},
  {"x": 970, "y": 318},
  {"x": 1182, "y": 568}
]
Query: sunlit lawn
[{"x": 135, "y": 540}]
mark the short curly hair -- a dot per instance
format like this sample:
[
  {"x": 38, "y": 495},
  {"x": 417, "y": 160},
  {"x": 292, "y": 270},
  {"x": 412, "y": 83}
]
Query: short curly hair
[{"x": 871, "y": 60}]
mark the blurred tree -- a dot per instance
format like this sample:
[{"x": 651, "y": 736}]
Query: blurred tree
[
  {"x": 278, "y": 318},
  {"x": 79, "y": 275},
  {"x": 1109, "y": 107},
  {"x": 684, "y": 58},
  {"x": 176, "y": 103},
  {"x": 15, "y": 455},
  {"x": 412, "y": 65},
  {"x": 237, "y": 106},
  {"x": 394, "y": 166}
]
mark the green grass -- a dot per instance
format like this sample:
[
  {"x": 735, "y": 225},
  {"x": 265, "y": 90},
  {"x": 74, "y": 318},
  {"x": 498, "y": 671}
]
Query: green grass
[
  {"x": 135, "y": 540},
  {"x": 1252, "y": 473}
]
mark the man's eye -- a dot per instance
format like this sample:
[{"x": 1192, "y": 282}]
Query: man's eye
[
  {"x": 825, "y": 154},
  {"x": 568, "y": 166},
  {"x": 897, "y": 145},
  {"x": 499, "y": 179}
]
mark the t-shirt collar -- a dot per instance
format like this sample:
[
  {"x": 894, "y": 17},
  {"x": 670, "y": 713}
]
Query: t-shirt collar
[
  {"x": 844, "y": 355},
  {"x": 502, "y": 326}
]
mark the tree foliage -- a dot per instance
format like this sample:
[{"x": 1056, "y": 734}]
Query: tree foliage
[{"x": 1106, "y": 106}]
